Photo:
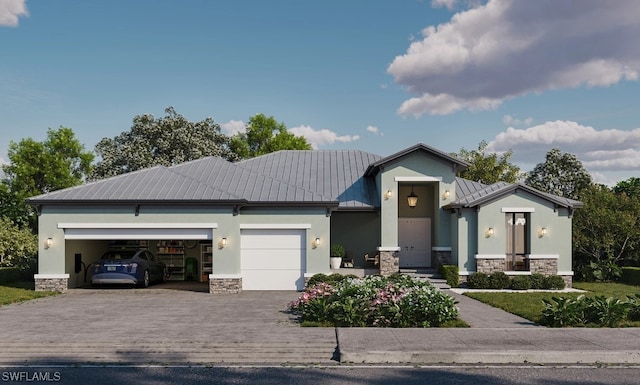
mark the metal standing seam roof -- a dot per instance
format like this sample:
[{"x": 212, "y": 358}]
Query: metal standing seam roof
[{"x": 375, "y": 166}]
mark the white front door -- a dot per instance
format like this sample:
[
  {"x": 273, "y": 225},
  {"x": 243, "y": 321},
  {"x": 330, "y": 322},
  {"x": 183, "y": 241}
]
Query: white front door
[{"x": 414, "y": 239}]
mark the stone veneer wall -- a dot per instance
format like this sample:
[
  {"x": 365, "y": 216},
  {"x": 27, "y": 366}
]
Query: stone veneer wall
[
  {"x": 490, "y": 265},
  {"x": 389, "y": 263},
  {"x": 441, "y": 257},
  {"x": 543, "y": 266},
  {"x": 52, "y": 284},
  {"x": 225, "y": 285}
]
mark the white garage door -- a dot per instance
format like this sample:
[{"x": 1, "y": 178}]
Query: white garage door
[{"x": 272, "y": 259}]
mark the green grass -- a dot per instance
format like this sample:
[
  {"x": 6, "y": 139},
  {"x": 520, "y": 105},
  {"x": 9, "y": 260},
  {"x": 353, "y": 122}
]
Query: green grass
[
  {"x": 530, "y": 305},
  {"x": 20, "y": 292}
]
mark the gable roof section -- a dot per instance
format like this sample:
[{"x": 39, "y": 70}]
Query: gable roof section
[
  {"x": 337, "y": 174},
  {"x": 474, "y": 194},
  {"x": 458, "y": 164}
]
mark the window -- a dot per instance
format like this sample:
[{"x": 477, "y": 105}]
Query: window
[{"x": 517, "y": 245}]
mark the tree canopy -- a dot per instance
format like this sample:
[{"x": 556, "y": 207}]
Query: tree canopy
[
  {"x": 488, "y": 168},
  {"x": 165, "y": 141},
  {"x": 264, "y": 135},
  {"x": 629, "y": 187},
  {"x": 561, "y": 174}
]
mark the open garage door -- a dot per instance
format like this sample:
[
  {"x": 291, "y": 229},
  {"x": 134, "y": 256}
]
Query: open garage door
[
  {"x": 273, "y": 259},
  {"x": 133, "y": 231}
]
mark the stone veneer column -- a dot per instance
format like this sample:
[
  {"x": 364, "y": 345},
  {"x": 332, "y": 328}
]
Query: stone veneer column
[
  {"x": 225, "y": 285},
  {"x": 489, "y": 264},
  {"x": 389, "y": 262},
  {"x": 53, "y": 282},
  {"x": 440, "y": 256},
  {"x": 543, "y": 266}
]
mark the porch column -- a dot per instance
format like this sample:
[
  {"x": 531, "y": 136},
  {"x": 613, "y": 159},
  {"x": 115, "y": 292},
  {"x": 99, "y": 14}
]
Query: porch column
[{"x": 389, "y": 261}]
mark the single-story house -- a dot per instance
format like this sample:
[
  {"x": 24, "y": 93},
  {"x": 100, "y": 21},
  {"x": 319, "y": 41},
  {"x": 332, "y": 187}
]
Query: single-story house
[{"x": 267, "y": 223}]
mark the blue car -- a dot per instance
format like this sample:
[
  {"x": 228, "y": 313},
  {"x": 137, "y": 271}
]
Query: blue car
[{"x": 132, "y": 267}]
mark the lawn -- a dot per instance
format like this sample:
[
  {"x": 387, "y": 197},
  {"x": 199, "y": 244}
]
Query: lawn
[
  {"x": 20, "y": 292},
  {"x": 530, "y": 305}
]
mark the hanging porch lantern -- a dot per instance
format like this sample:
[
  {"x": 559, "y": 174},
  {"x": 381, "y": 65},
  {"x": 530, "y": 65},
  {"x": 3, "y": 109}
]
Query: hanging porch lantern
[{"x": 412, "y": 199}]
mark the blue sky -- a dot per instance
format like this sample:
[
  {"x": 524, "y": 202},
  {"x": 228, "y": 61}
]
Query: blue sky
[{"x": 373, "y": 75}]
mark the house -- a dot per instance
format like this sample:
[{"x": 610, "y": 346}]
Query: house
[{"x": 267, "y": 223}]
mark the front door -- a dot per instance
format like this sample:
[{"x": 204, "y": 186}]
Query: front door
[{"x": 414, "y": 239}]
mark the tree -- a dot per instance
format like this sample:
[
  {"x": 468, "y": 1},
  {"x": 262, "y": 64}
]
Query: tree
[
  {"x": 165, "y": 141},
  {"x": 488, "y": 168},
  {"x": 265, "y": 135},
  {"x": 606, "y": 233},
  {"x": 18, "y": 246},
  {"x": 40, "y": 167},
  {"x": 629, "y": 187},
  {"x": 560, "y": 174}
]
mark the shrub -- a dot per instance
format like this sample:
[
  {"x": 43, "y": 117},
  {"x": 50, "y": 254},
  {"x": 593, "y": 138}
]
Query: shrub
[
  {"x": 316, "y": 279},
  {"x": 604, "y": 311},
  {"x": 521, "y": 282},
  {"x": 330, "y": 279},
  {"x": 631, "y": 275},
  {"x": 562, "y": 311},
  {"x": 554, "y": 282},
  {"x": 499, "y": 280},
  {"x": 588, "y": 311},
  {"x": 478, "y": 281},
  {"x": 634, "y": 308},
  {"x": 451, "y": 274},
  {"x": 537, "y": 281}
]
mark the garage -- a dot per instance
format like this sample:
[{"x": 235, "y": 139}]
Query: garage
[{"x": 272, "y": 259}]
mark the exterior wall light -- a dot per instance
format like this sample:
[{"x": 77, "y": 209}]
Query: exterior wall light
[
  {"x": 542, "y": 232},
  {"x": 222, "y": 243},
  {"x": 48, "y": 243},
  {"x": 446, "y": 194},
  {"x": 490, "y": 232},
  {"x": 412, "y": 199},
  {"x": 388, "y": 194},
  {"x": 315, "y": 243}
]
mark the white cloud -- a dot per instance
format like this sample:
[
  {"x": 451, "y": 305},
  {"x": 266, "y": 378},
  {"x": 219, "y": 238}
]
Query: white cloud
[
  {"x": 374, "y": 130},
  {"x": 323, "y": 137},
  {"x": 507, "y": 48},
  {"x": 11, "y": 11},
  {"x": 449, "y": 4},
  {"x": 233, "y": 127},
  {"x": 601, "y": 152},
  {"x": 513, "y": 121}
]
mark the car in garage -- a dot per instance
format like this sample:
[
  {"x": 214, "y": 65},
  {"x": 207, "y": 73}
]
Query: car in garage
[{"x": 128, "y": 267}]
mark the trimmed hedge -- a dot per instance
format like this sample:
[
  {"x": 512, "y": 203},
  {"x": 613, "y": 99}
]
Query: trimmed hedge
[
  {"x": 451, "y": 274},
  {"x": 500, "y": 280},
  {"x": 9, "y": 274},
  {"x": 631, "y": 275},
  {"x": 521, "y": 282}
]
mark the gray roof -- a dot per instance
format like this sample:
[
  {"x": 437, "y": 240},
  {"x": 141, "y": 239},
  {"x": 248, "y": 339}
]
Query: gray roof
[
  {"x": 374, "y": 167},
  {"x": 472, "y": 194}
]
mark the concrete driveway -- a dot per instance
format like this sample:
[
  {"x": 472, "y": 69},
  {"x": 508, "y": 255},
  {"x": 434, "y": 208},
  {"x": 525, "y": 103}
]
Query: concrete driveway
[{"x": 158, "y": 325}]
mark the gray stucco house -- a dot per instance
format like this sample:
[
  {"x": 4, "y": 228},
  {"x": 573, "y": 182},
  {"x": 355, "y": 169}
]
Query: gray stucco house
[{"x": 267, "y": 223}]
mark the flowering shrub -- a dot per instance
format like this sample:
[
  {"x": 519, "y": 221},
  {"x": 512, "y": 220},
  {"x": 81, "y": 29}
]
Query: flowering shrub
[{"x": 397, "y": 301}]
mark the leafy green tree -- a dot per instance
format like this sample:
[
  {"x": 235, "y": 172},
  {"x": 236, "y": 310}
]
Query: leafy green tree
[
  {"x": 165, "y": 141},
  {"x": 560, "y": 174},
  {"x": 488, "y": 168},
  {"x": 18, "y": 246},
  {"x": 264, "y": 135},
  {"x": 629, "y": 187},
  {"x": 40, "y": 167},
  {"x": 606, "y": 233}
]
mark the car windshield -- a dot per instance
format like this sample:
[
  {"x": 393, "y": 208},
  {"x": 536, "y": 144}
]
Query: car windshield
[{"x": 118, "y": 254}]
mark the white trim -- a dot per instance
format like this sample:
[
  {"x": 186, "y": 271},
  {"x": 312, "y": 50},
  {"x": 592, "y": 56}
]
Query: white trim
[
  {"x": 387, "y": 248},
  {"x": 309, "y": 275},
  {"x": 65, "y": 225},
  {"x": 564, "y": 273},
  {"x": 266, "y": 226},
  {"x": 51, "y": 276},
  {"x": 543, "y": 256},
  {"x": 466, "y": 272},
  {"x": 512, "y": 272},
  {"x": 225, "y": 276},
  {"x": 518, "y": 210},
  {"x": 418, "y": 179},
  {"x": 440, "y": 248},
  {"x": 491, "y": 256}
]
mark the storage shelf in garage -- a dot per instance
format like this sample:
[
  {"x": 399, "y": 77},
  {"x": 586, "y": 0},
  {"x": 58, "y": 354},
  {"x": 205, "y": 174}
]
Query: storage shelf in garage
[
  {"x": 171, "y": 253},
  {"x": 206, "y": 261}
]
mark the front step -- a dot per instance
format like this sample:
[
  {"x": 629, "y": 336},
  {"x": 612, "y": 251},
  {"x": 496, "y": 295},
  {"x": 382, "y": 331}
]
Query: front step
[{"x": 429, "y": 274}]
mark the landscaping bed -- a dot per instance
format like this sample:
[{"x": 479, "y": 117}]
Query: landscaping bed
[
  {"x": 603, "y": 304},
  {"x": 374, "y": 301}
]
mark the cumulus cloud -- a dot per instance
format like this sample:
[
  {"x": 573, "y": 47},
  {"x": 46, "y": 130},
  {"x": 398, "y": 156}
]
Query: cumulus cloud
[
  {"x": 323, "y": 137},
  {"x": 598, "y": 150},
  {"x": 11, "y": 11},
  {"x": 232, "y": 127},
  {"x": 513, "y": 121},
  {"x": 374, "y": 130},
  {"x": 506, "y": 48}
]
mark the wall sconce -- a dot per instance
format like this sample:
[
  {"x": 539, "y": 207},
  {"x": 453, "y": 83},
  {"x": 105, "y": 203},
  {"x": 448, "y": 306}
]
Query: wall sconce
[
  {"x": 315, "y": 243},
  {"x": 412, "y": 199},
  {"x": 446, "y": 194},
  {"x": 388, "y": 194},
  {"x": 542, "y": 232},
  {"x": 222, "y": 243},
  {"x": 48, "y": 243},
  {"x": 490, "y": 232}
]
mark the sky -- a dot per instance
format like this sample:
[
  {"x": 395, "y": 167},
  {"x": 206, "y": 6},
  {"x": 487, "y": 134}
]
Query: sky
[{"x": 378, "y": 76}]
